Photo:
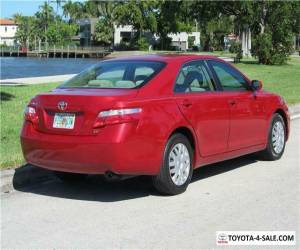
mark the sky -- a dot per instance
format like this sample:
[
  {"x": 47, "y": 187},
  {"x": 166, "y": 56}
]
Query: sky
[{"x": 24, "y": 7}]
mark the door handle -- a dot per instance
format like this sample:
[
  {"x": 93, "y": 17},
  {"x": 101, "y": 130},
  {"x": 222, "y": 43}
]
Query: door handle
[
  {"x": 186, "y": 103},
  {"x": 232, "y": 102}
]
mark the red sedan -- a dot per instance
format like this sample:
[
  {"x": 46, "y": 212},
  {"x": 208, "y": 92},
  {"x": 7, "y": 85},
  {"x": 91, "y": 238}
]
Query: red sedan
[{"x": 153, "y": 115}]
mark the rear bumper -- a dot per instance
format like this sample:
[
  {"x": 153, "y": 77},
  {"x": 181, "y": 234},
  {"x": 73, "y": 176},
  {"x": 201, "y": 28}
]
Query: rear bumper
[
  {"x": 93, "y": 154},
  {"x": 69, "y": 157}
]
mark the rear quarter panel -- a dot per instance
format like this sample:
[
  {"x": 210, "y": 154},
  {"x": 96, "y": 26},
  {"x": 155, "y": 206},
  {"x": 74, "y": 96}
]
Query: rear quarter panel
[{"x": 159, "y": 118}]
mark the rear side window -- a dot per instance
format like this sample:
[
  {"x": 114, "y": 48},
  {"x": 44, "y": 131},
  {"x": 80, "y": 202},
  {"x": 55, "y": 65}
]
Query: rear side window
[
  {"x": 193, "y": 77},
  {"x": 142, "y": 73},
  {"x": 230, "y": 79},
  {"x": 116, "y": 74}
]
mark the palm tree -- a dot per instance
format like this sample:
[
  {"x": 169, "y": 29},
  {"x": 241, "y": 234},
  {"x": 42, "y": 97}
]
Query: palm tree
[
  {"x": 17, "y": 17},
  {"x": 106, "y": 9},
  {"x": 44, "y": 16},
  {"x": 26, "y": 29},
  {"x": 73, "y": 10},
  {"x": 58, "y": 4}
]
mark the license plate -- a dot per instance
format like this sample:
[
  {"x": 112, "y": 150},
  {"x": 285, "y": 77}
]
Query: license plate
[{"x": 64, "y": 120}]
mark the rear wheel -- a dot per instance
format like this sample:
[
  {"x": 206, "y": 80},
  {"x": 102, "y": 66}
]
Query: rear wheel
[
  {"x": 69, "y": 177},
  {"x": 176, "y": 171},
  {"x": 276, "y": 139}
]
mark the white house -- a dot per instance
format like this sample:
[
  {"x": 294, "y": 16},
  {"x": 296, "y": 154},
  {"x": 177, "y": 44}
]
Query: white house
[
  {"x": 123, "y": 33},
  {"x": 179, "y": 40},
  {"x": 8, "y": 29}
]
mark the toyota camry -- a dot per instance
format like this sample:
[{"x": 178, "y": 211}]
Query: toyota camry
[{"x": 156, "y": 115}]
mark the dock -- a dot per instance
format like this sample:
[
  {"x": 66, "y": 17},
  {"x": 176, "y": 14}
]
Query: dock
[{"x": 58, "y": 52}]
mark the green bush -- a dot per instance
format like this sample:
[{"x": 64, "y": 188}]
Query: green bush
[
  {"x": 164, "y": 43},
  {"x": 103, "y": 33},
  {"x": 262, "y": 45},
  {"x": 124, "y": 45},
  {"x": 269, "y": 51},
  {"x": 143, "y": 44},
  {"x": 217, "y": 42},
  {"x": 133, "y": 44},
  {"x": 196, "y": 48},
  {"x": 236, "y": 48},
  {"x": 191, "y": 40}
]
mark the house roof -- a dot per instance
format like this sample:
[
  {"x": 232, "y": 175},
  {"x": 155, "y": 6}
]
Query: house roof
[{"x": 7, "y": 22}]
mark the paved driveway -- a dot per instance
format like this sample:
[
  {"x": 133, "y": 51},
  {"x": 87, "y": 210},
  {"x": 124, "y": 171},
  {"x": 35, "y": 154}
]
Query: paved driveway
[{"x": 241, "y": 194}]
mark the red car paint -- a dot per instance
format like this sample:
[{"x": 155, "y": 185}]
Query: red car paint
[{"x": 220, "y": 124}]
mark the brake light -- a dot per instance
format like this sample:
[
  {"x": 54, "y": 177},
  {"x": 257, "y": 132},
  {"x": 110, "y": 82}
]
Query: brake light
[
  {"x": 117, "y": 116},
  {"x": 30, "y": 114}
]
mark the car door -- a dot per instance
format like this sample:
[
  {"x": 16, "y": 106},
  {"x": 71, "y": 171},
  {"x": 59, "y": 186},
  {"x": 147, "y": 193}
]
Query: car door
[
  {"x": 247, "y": 118},
  {"x": 202, "y": 107}
]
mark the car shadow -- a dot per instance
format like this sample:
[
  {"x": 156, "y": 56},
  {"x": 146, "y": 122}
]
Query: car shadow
[
  {"x": 223, "y": 167},
  {"x": 96, "y": 188}
]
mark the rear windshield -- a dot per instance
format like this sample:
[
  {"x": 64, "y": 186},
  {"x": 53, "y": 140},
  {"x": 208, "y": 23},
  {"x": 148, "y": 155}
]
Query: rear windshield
[{"x": 115, "y": 74}]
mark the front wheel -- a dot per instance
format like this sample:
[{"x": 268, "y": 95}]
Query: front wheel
[
  {"x": 276, "y": 139},
  {"x": 176, "y": 171}
]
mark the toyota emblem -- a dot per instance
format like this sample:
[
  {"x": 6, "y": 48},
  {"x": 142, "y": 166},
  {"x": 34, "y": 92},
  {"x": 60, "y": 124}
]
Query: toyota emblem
[{"x": 62, "y": 105}]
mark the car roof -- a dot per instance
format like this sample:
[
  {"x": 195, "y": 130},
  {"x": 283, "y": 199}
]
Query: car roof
[{"x": 179, "y": 58}]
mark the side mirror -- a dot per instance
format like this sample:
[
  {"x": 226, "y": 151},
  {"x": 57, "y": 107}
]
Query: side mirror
[{"x": 256, "y": 85}]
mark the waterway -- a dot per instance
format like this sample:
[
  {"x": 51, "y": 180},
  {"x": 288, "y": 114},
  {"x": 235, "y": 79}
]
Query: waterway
[{"x": 20, "y": 67}]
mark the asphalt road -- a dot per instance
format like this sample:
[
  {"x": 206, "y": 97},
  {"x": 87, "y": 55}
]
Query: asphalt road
[{"x": 241, "y": 194}]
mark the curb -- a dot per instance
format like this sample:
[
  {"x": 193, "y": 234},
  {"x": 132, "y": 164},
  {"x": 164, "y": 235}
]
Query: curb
[
  {"x": 294, "y": 111},
  {"x": 28, "y": 174}
]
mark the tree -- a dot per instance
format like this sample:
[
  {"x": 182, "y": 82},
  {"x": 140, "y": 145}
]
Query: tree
[
  {"x": 74, "y": 11},
  {"x": 273, "y": 40},
  {"x": 44, "y": 26},
  {"x": 60, "y": 32},
  {"x": 103, "y": 32},
  {"x": 272, "y": 24},
  {"x": 296, "y": 23},
  {"x": 139, "y": 14},
  {"x": 243, "y": 19},
  {"x": 171, "y": 18},
  {"x": 105, "y": 11},
  {"x": 207, "y": 15},
  {"x": 58, "y": 4},
  {"x": 295, "y": 17},
  {"x": 26, "y": 29},
  {"x": 102, "y": 9},
  {"x": 217, "y": 29},
  {"x": 44, "y": 17}
]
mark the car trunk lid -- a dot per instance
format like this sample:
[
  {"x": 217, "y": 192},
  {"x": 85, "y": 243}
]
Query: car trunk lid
[{"x": 82, "y": 104}]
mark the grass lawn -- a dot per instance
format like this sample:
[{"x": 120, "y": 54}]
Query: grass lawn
[
  {"x": 13, "y": 102},
  {"x": 284, "y": 80}
]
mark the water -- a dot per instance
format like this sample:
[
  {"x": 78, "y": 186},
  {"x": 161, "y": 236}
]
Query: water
[{"x": 19, "y": 67}]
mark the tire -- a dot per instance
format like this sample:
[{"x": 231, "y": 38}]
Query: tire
[
  {"x": 166, "y": 182},
  {"x": 70, "y": 177},
  {"x": 274, "y": 151}
]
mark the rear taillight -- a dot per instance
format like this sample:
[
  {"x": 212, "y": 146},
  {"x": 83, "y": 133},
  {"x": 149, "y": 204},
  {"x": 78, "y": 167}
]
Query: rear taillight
[
  {"x": 30, "y": 114},
  {"x": 117, "y": 116}
]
